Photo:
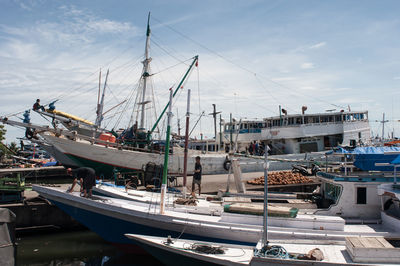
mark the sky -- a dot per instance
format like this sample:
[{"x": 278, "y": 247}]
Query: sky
[{"x": 253, "y": 57}]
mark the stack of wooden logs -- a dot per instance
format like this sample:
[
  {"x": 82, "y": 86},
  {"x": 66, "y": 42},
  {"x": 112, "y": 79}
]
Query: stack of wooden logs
[{"x": 281, "y": 178}]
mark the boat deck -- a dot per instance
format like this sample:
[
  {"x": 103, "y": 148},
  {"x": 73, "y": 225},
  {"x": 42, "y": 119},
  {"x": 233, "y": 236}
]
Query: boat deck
[
  {"x": 333, "y": 253},
  {"x": 303, "y": 226}
]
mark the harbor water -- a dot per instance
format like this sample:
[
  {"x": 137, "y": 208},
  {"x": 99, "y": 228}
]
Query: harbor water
[{"x": 73, "y": 248}]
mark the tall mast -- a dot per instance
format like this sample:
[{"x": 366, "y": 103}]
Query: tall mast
[
  {"x": 146, "y": 74},
  {"x": 100, "y": 106},
  {"x": 214, "y": 114},
  {"x": 383, "y": 126},
  {"x": 166, "y": 154},
  {"x": 265, "y": 222},
  {"x": 98, "y": 94},
  {"x": 186, "y": 144}
]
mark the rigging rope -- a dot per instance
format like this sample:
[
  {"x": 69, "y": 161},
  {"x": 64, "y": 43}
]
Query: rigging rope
[{"x": 239, "y": 66}]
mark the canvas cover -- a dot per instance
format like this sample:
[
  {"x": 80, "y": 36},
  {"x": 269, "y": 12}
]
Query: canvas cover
[{"x": 365, "y": 158}]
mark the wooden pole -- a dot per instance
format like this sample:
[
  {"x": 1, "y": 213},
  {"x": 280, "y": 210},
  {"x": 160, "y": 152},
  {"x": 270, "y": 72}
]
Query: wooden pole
[
  {"x": 265, "y": 222},
  {"x": 186, "y": 144}
]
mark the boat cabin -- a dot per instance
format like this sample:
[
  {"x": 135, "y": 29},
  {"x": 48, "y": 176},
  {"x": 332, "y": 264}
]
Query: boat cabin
[{"x": 300, "y": 133}]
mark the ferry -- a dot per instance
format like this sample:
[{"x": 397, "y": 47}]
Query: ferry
[{"x": 300, "y": 133}]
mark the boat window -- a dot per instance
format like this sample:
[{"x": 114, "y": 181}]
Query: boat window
[
  {"x": 361, "y": 195},
  {"x": 361, "y": 116},
  {"x": 260, "y": 125},
  {"x": 332, "y": 192},
  {"x": 298, "y": 120}
]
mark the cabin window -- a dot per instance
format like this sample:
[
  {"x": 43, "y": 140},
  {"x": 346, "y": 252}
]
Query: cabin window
[
  {"x": 361, "y": 195},
  {"x": 332, "y": 192}
]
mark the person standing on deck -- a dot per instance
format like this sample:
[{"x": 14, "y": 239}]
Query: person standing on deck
[
  {"x": 87, "y": 177},
  {"x": 197, "y": 176}
]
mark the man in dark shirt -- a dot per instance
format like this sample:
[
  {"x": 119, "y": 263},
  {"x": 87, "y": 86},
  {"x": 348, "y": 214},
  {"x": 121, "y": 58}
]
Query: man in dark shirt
[
  {"x": 87, "y": 177},
  {"x": 197, "y": 176},
  {"x": 37, "y": 106}
]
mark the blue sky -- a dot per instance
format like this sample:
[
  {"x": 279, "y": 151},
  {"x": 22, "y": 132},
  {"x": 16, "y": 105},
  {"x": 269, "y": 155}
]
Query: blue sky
[{"x": 254, "y": 55}]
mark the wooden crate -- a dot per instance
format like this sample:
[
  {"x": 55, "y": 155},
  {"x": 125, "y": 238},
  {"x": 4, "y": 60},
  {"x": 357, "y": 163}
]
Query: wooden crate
[{"x": 372, "y": 250}]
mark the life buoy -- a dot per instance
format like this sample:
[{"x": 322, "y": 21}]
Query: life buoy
[
  {"x": 29, "y": 133},
  {"x": 227, "y": 164}
]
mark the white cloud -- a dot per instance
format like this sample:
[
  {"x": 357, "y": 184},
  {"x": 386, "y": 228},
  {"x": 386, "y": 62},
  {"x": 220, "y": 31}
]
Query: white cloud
[
  {"x": 318, "y": 45},
  {"x": 307, "y": 65},
  {"x": 75, "y": 27}
]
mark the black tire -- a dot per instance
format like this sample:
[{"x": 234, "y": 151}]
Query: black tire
[{"x": 227, "y": 164}]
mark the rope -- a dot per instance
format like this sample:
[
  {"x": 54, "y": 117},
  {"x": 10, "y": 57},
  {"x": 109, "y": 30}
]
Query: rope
[
  {"x": 240, "y": 66},
  {"x": 198, "y": 95},
  {"x": 274, "y": 251}
]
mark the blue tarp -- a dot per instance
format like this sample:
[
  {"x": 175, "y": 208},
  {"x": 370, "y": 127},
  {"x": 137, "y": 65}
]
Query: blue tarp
[
  {"x": 397, "y": 160},
  {"x": 365, "y": 158},
  {"x": 338, "y": 150}
]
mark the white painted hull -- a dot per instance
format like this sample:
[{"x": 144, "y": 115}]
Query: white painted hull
[
  {"x": 228, "y": 228},
  {"x": 212, "y": 163}
]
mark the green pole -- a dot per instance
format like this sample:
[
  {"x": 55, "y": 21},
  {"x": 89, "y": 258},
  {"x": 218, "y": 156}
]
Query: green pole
[
  {"x": 176, "y": 90},
  {"x": 166, "y": 154}
]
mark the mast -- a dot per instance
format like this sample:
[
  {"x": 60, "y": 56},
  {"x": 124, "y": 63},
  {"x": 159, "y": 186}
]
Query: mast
[
  {"x": 166, "y": 154},
  {"x": 186, "y": 144},
  {"x": 265, "y": 223},
  {"x": 220, "y": 132},
  {"x": 98, "y": 94},
  {"x": 145, "y": 75},
  {"x": 214, "y": 114},
  {"x": 383, "y": 126},
  {"x": 195, "y": 59},
  {"x": 100, "y": 106}
]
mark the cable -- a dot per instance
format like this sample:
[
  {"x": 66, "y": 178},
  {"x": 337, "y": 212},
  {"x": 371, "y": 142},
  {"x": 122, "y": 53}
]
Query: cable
[{"x": 237, "y": 65}]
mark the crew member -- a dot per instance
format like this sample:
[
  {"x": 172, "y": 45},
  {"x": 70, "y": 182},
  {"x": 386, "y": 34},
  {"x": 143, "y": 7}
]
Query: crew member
[
  {"x": 197, "y": 176},
  {"x": 87, "y": 177},
  {"x": 37, "y": 106}
]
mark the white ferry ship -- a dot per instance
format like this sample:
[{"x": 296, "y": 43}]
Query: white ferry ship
[{"x": 300, "y": 133}]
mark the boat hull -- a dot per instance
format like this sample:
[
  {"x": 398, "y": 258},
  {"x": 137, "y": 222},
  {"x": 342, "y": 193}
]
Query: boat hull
[
  {"x": 111, "y": 222},
  {"x": 105, "y": 159}
]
